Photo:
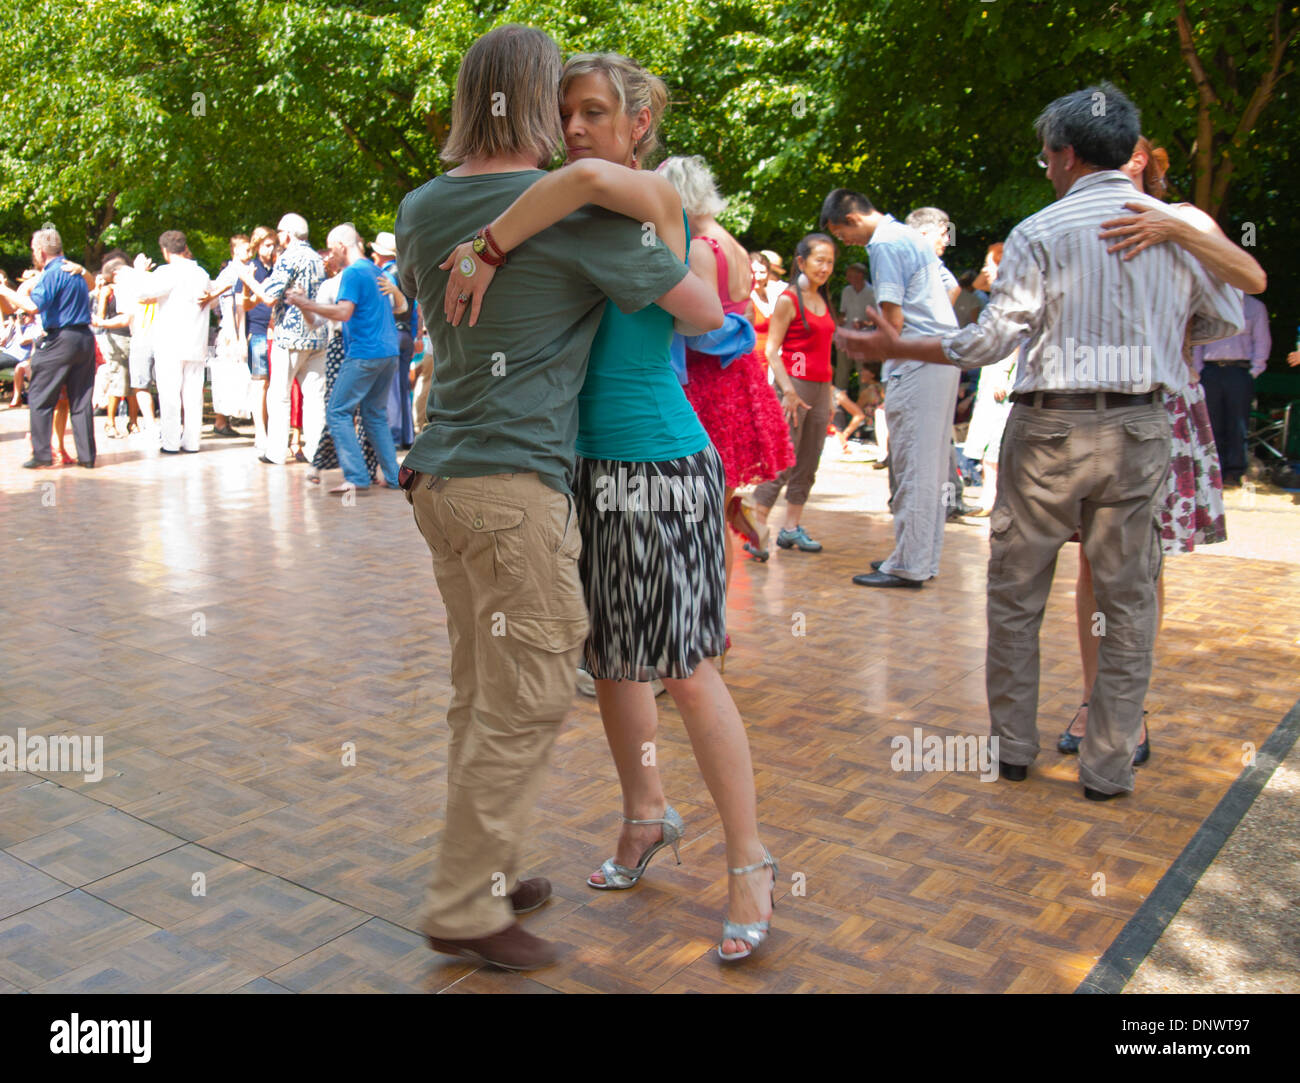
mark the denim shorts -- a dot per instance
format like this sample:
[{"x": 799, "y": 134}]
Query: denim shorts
[{"x": 257, "y": 365}]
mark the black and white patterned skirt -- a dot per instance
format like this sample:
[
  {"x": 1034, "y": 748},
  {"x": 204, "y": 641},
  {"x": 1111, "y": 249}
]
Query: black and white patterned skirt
[{"x": 653, "y": 565}]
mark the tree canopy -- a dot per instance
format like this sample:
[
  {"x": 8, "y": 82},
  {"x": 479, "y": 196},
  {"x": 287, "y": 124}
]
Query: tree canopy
[{"x": 122, "y": 118}]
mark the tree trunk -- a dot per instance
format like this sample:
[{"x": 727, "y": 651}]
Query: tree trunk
[{"x": 101, "y": 217}]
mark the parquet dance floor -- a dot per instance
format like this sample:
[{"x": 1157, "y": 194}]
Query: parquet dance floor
[{"x": 231, "y": 632}]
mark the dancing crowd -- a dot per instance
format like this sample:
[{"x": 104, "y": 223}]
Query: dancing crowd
[
  {"x": 289, "y": 317},
  {"x": 599, "y": 403}
]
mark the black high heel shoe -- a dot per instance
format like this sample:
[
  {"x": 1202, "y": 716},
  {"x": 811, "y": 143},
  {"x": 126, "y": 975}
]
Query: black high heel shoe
[
  {"x": 1069, "y": 743},
  {"x": 1143, "y": 751}
]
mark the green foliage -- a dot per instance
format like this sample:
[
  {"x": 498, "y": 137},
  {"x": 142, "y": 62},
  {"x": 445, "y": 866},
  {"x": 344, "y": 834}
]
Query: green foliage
[{"x": 122, "y": 118}]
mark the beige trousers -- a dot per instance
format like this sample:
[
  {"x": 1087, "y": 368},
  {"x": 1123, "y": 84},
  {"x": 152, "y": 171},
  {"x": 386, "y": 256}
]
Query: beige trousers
[
  {"x": 505, "y": 555},
  {"x": 1102, "y": 471}
]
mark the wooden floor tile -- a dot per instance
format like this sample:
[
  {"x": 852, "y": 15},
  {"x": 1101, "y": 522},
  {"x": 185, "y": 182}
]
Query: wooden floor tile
[
  {"x": 22, "y": 886},
  {"x": 323, "y": 637},
  {"x": 35, "y": 809},
  {"x": 92, "y": 848},
  {"x": 43, "y": 943},
  {"x": 377, "y": 957},
  {"x": 159, "y": 963}
]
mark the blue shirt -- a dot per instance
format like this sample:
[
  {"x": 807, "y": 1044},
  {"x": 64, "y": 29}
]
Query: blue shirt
[
  {"x": 372, "y": 331},
  {"x": 258, "y": 318},
  {"x": 632, "y": 407},
  {"x": 63, "y": 299},
  {"x": 906, "y": 272},
  {"x": 389, "y": 271},
  {"x": 300, "y": 268}
]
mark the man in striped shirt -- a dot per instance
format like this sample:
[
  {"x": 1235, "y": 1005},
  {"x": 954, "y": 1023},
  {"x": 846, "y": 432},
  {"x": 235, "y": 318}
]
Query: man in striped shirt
[{"x": 1087, "y": 445}]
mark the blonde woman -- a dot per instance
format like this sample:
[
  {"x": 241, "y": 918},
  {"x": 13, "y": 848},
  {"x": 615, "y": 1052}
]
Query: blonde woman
[{"x": 654, "y": 577}]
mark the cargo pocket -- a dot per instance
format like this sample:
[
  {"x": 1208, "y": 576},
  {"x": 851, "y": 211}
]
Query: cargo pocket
[
  {"x": 1040, "y": 447},
  {"x": 495, "y": 547},
  {"x": 1148, "y": 441},
  {"x": 545, "y": 656},
  {"x": 999, "y": 526}
]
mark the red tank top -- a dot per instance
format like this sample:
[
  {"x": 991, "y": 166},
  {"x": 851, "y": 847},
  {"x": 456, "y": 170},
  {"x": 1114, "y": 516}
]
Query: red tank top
[
  {"x": 729, "y": 307},
  {"x": 806, "y": 351}
]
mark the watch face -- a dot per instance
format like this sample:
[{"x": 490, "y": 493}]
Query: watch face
[
  {"x": 467, "y": 267},
  {"x": 480, "y": 243}
]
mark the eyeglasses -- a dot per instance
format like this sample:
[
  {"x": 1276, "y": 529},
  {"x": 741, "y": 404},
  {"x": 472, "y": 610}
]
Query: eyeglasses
[{"x": 1041, "y": 159}]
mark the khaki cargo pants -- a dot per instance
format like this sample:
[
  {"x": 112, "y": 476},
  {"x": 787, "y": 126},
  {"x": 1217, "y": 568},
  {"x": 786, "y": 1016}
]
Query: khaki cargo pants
[
  {"x": 505, "y": 555},
  {"x": 1103, "y": 472}
]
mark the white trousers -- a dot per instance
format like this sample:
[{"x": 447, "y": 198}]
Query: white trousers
[
  {"x": 308, "y": 368},
  {"x": 180, "y": 391}
]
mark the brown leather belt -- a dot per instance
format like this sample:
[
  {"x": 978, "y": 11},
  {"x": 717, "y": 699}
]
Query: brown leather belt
[{"x": 1083, "y": 400}]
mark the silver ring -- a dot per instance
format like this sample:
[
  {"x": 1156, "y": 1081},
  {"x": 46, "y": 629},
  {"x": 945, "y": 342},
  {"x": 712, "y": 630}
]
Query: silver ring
[{"x": 462, "y": 298}]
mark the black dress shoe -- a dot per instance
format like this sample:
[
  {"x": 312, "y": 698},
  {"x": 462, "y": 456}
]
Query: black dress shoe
[
  {"x": 884, "y": 579},
  {"x": 875, "y": 565},
  {"x": 264, "y": 459},
  {"x": 1098, "y": 795},
  {"x": 170, "y": 450},
  {"x": 227, "y": 432},
  {"x": 37, "y": 464},
  {"x": 1012, "y": 772},
  {"x": 86, "y": 465}
]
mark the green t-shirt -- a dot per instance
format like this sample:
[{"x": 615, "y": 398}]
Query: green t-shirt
[
  {"x": 632, "y": 407},
  {"x": 504, "y": 393}
]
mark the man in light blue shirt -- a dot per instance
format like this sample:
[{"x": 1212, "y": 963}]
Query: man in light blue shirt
[
  {"x": 370, "y": 348},
  {"x": 919, "y": 399}
]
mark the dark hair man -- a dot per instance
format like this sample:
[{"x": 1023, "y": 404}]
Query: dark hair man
[
  {"x": 919, "y": 401},
  {"x": 1087, "y": 444}
]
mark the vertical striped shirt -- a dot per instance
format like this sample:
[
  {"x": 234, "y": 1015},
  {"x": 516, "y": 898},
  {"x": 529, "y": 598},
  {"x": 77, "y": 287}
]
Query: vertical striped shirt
[{"x": 1090, "y": 320}]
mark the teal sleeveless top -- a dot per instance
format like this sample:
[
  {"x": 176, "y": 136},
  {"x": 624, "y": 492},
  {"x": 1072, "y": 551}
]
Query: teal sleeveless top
[{"x": 631, "y": 408}]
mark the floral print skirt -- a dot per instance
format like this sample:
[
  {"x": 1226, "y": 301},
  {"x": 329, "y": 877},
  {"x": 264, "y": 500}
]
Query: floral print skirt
[{"x": 1192, "y": 513}]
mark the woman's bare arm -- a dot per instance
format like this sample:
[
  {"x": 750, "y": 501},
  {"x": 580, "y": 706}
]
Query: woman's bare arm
[
  {"x": 1192, "y": 230},
  {"x": 644, "y": 197}
]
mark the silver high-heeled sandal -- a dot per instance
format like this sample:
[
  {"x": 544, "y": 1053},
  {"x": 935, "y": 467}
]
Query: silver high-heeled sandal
[
  {"x": 755, "y": 932},
  {"x": 620, "y": 877}
]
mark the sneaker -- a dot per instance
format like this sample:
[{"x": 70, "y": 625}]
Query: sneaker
[{"x": 798, "y": 538}]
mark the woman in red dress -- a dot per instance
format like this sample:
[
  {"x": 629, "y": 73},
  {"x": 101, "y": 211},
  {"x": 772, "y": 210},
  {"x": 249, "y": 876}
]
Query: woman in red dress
[{"x": 735, "y": 403}]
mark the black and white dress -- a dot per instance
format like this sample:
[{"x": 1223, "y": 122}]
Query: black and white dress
[{"x": 652, "y": 564}]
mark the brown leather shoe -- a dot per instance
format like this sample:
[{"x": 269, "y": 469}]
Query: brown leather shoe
[
  {"x": 513, "y": 948},
  {"x": 530, "y": 894}
]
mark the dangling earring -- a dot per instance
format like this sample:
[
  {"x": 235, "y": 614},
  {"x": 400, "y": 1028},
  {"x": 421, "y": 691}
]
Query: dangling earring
[{"x": 636, "y": 151}]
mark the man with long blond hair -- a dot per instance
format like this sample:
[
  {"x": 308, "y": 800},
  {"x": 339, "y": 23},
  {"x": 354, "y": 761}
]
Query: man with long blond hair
[{"x": 490, "y": 476}]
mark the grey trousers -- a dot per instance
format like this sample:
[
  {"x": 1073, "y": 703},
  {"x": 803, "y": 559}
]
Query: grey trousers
[
  {"x": 808, "y": 435},
  {"x": 918, "y": 407},
  {"x": 1104, "y": 472}
]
